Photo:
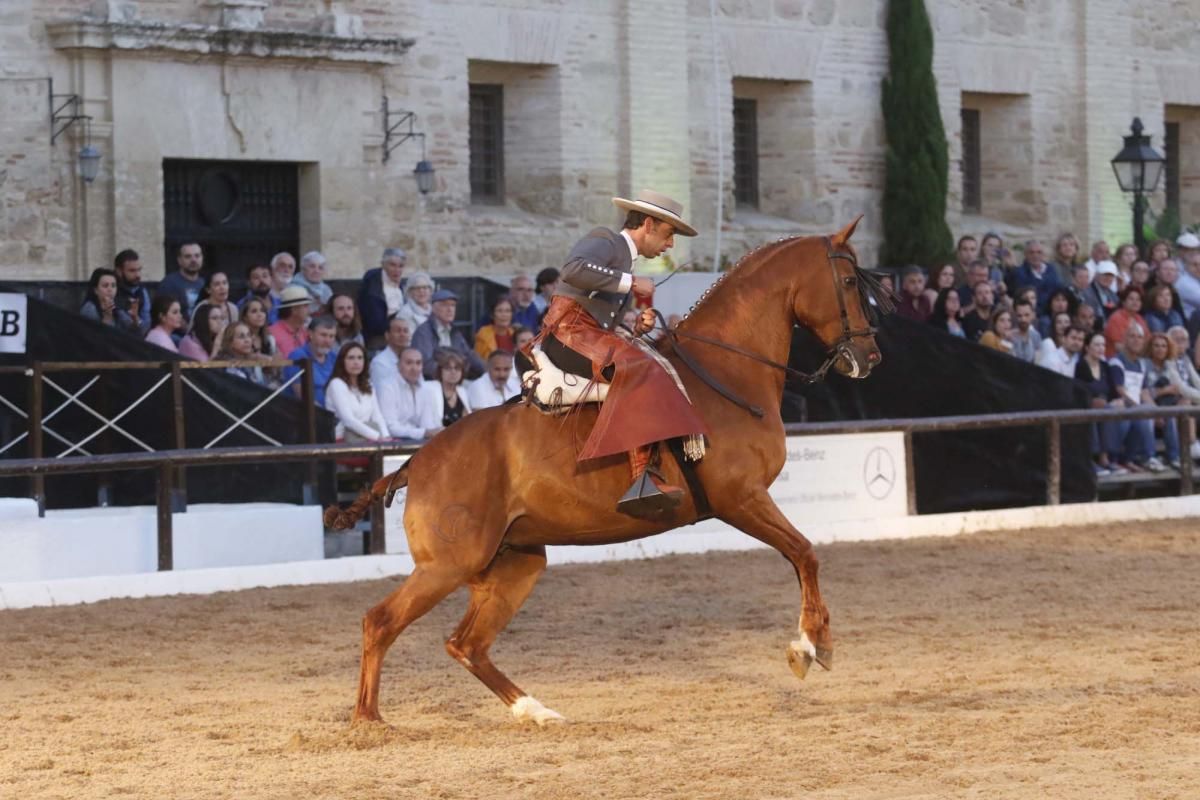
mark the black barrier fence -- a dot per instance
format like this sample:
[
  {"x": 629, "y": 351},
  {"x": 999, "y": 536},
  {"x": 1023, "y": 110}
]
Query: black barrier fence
[{"x": 166, "y": 463}]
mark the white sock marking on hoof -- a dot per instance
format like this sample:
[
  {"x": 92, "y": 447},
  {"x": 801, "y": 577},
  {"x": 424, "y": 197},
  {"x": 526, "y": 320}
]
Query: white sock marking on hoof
[
  {"x": 807, "y": 646},
  {"x": 528, "y": 709}
]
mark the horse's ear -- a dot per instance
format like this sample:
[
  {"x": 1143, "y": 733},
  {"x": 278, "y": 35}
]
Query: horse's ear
[{"x": 843, "y": 236}]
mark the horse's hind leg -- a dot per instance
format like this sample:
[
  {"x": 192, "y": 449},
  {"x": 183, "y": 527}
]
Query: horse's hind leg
[
  {"x": 496, "y": 594},
  {"x": 763, "y": 520},
  {"x": 427, "y": 586}
]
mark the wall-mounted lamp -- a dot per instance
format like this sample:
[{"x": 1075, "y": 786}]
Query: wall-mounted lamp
[
  {"x": 64, "y": 112},
  {"x": 394, "y": 136}
]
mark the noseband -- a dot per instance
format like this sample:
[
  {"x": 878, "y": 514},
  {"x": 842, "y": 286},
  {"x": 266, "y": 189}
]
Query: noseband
[{"x": 839, "y": 349}]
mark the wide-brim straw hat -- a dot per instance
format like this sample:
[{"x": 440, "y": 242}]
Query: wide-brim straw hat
[
  {"x": 658, "y": 206},
  {"x": 293, "y": 295}
]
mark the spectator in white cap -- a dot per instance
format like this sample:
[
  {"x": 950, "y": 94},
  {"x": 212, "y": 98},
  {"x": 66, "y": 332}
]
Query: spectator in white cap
[
  {"x": 1101, "y": 295},
  {"x": 1187, "y": 243},
  {"x": 1100, "y": 254},
  {"x": 437, "y": 333},
  {"x": 418, "y": 294},
  {"x": 311, "y": 277}
]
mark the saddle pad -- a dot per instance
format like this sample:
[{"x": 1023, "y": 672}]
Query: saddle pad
[{"x": 552, "y": 387}]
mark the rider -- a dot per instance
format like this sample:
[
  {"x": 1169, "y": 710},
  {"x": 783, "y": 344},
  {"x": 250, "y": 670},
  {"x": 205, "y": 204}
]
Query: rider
[{"x": 580, "y": 335}]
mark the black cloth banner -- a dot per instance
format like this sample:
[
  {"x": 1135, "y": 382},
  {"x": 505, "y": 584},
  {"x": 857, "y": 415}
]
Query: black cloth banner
[
  {"x": 58, "y": 335},
  {"x": 928, "y": 373}
]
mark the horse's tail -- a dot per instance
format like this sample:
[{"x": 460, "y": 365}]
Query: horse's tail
[{"x": 383, "y": 489}]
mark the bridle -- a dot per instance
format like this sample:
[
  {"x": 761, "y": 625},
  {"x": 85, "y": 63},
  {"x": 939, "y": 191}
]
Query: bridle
[{"x": 839, "y": 349}]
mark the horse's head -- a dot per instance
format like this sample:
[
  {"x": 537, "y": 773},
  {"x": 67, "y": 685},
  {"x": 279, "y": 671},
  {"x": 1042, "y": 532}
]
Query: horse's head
[{"x": 834, "y": 301}]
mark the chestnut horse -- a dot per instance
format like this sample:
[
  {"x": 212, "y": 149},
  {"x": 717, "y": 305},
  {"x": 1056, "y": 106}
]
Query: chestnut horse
[{"x": 487, "y": 495}]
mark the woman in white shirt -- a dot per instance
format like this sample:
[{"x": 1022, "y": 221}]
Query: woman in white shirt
[
  {"x": 350, "y": 398},
  {"x": 445, "y": 398}
]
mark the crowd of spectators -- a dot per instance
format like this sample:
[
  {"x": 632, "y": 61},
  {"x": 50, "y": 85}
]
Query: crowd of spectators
[
  {"x": 1123, "y": 325},
  {"x": 389, "y": 362}
]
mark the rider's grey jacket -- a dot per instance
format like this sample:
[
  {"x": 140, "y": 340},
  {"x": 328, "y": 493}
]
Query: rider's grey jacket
[{"x": 598, "y": 274}]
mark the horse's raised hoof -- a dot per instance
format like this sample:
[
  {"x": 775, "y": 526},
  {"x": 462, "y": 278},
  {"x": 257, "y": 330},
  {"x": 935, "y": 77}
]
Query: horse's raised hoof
[
  {"x": 527, "y": 709},
  {"x": 824, "y": 657}
]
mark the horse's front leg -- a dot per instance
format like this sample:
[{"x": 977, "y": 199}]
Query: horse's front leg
[{"x": 763, "y": 520}]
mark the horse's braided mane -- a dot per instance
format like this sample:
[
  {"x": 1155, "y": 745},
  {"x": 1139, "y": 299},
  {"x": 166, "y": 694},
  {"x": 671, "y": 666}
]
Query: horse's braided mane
[{"x": 734, "y": 268}]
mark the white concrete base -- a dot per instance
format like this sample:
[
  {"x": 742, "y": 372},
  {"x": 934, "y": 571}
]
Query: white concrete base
[{"x": 701, "y": 538}]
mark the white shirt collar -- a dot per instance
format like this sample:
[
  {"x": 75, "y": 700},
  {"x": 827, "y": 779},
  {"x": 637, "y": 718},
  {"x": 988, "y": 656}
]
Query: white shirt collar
[{"x": 633, "y": 253}]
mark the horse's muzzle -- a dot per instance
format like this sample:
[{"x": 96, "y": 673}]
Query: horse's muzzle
[{"x": 856, "y": 361}]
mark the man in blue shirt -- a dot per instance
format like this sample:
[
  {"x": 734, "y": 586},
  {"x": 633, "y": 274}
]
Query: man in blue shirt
[
  {"x": 187, "y": 284},
  {"x": 132, "y": 296},
  {"x": 1037, "y": 273},
  {"x": 322, "y": 339}
]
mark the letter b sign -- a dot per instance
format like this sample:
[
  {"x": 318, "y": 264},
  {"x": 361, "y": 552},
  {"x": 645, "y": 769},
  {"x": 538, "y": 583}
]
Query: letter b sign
[{"x": 13, "y": 316}]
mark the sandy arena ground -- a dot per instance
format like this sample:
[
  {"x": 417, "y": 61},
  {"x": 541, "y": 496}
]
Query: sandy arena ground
[{"x": 1037, "y": 664}]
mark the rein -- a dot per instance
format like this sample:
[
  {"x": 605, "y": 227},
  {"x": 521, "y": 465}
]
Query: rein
[{"x": 868, "y": 287}]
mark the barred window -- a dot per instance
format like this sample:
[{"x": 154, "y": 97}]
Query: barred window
[
  {"x": 745, "y": 152},
  {"x": 1171, "y": 145},
  {"x": 486, "y": 142},
  {"x": 971, "y": 189}
]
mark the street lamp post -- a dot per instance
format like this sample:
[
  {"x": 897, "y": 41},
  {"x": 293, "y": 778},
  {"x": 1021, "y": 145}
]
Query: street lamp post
[{"x": 1138, "y": 168}]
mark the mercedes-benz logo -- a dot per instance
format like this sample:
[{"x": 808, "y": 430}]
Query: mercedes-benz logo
[{"x": 879, "y": 472}]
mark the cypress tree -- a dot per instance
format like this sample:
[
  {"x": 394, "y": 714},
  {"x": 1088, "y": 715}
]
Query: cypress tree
[{"x": 914, "y": 192}]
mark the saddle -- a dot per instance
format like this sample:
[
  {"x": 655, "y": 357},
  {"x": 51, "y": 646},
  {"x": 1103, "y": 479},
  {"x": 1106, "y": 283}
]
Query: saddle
[{"x": 555, "y": 390}]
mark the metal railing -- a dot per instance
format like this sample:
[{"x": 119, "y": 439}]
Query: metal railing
[
  {"x": 39, "y": 374},
  {"x": 166, "y": 462}
]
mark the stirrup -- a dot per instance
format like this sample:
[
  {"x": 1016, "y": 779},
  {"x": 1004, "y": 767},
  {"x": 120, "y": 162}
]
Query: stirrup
[{"x": 644, "y": 498}]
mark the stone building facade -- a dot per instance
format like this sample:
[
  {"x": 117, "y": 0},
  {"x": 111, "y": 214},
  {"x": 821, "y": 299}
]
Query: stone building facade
[{"x": 597, "y": 97}]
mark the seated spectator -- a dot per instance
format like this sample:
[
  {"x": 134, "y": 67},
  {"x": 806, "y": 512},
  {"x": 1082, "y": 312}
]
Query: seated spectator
[
  {"x": 1037, "y": 273},
  {"x": 350, "y": 398},
  {"x": 1167, "y": 273},
  {"x": 1085, "y": 317},
  {"x": 283, "y": 269},
  {"x": 1182, "y": 345},
  {"x": 1063, "y": 357},
  {"x": 977, "y": 273},
  {"x": 989, "y": 253},
  {"x": 944, "y": 278},
  {"x": 445, "y": 396},
  {"x": 966, "y": 252},
  {"x": 1160, "y": 316},
  {"x": 381, "y": 295},
  {"x": 1187, "y": 285},
  {"x": 291, "y": 331},
  {"x": 1129, "y": 361},
  {"x": 1123, "y": 317},
  {"x": 1066, "y": 256},
  {"x": 1062, "y": 322},
  {"x": 546, "y": 283},
  {"x": 1125, "y": 258},
  {"x": 999, "y": 330},
  {"x": 525, "y": 311},
  {"x": 1164, "y": 386},
  {"x": 1159, "y": 251},
  {"x": 1188, "y": 244},
  {"x": 1099, "y": 254},
  {"x": 1101, "y": 294},
  {"x": 497, "y": 335},
  {"x": 185, "y": 284},
  {"x": 385, "y": 366},
  {"x": 418, "y": 293},
  {"x": 258, "y": 286},
  {"x": 217, "y": 294},
  {"x": 1184, "y": 371},
  {"x": 319, "y": 352},
  {"x": 311, "y": 278},
  {"x": 947, "y": 313},
  {"x": 238, "y": 345},
  {"x": 1078, "y": 282},
  {"x": 1024, "y": 337},
  {"x": 203, "y": 341},
  {"x": 254, "y": 314},
  {"x": 101, "y": 302},
  {"x": 913, "y": 303},
  {"x": 1139, "y": 274},
  {"x": 131, "y": 295},
  {"x": 345, "y": 314},
  {"x": 165, "y": 319},
  {"x": 1029, "y": 295},
  {"x": 438, "y": 332},
  {"x": 495, "y": 386},
  {"x": 522, "y": 336},
  {"x": 1060, "y": 301},
  {"x": 1104, "y": 385},
  {"x": 402, "y": 400},
  {"x": 978, "y": 318}
]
